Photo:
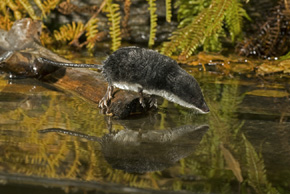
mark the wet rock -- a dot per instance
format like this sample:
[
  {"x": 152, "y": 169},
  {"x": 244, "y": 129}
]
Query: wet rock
[{"x": 20, "y": 49}]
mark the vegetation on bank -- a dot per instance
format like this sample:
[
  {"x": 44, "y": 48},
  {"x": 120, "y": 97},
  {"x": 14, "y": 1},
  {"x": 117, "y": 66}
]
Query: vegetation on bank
[{"x": 203, "y": 25}]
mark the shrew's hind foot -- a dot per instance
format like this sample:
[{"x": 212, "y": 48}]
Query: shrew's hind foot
[
  {"x": 153, "y": 102},
  {"x": 141, "y": 97},
  {"x": 104, "y": 102}
]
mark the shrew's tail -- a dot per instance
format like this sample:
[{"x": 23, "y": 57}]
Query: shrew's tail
[
  {"x": 61, "y": 64},
  {"x": 68, "y": 132}
]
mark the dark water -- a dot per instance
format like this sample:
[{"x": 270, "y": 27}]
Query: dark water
[{"x": 241, "y": 146}]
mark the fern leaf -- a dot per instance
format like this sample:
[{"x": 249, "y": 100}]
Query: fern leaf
[
  {"x": 234, "y": 17},
  {"x": 40, "y": 5},
  {"x": 153, "y": 22},
  {"x": 92, "y": 33},
  {"x": 46, "y": 38},
  {"x": 5, "y": 22},
  {"x": 3, "y": 8},
  {"x": 114, "y": 19},
  {"x": 28, "y": 7},
  {"x": 168, "y": 10},
  {"x": 50, "y": 5},
  {"x": 68, "y": 32},
  {"x": 212, "y": 43},
  {"x": 232, "y": 163},
  {"x": 188, "y": 38},
  {"x": 188, "y": 9},
  {"x": 203, "y": 27},
  {"x": 14, "y": 8},
  {"x": 256, "y": 170}
]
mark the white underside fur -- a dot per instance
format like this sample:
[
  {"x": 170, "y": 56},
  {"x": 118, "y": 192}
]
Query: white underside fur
[{"x": 169, "y": 96}]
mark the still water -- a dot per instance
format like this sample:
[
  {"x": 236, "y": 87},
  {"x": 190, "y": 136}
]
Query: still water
[{"x": 241, "y": 146}]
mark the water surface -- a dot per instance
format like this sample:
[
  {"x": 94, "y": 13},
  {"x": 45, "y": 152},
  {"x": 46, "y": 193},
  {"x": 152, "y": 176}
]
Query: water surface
[{"x": 241, "y": 146}]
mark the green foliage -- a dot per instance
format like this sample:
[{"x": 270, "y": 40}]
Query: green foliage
[
  {"x": 71, "y": 32},
  {"x": 11, "y": 10},
  {"x": 286, "y": 56},
  {"x": 28, "y": 7},
  {"x": 168, "y": 10},
  {"x": 24, "y": 8},
  {"x": 188, "y": 9},
  {"x": 153, "y": 21},
  {"x": 68, "y": 32},
  {"x": 153, "y": 18},
  {"x": 213, "y": 43},
  {"x": 49, "y": 5},
  {"x": 92, "y": 33},
  {"x": 41, "y": 7},
  {"x": 196, "y": 30},
  {"x": 257, "y": 177},
  {"x": 202, "y": 22},
  {"x": 233, "y": 17},
  {"x": 114, "y": 19},
  {"x": 5, "y": 22}
]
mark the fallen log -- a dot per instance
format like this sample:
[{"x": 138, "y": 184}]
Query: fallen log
[{"x": 91, "y": 86}]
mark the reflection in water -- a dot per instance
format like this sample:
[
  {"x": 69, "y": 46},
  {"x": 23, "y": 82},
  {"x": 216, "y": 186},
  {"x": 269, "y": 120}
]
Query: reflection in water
[
  {"x": 245, "y": 149},
  {"x": 140, "y": 152}
]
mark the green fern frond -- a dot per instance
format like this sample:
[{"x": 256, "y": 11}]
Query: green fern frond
[
  {"x": 256, "y": 170},
  {"x": 41, "y": 7},
  {"x": 114, "y": 19},
  {"x": 168, "y": 10},
  {"x": 5, "y": 22},
  {"x": 68, "y": 32},
  {"x": 28, "y": 7},
  {"x": 22, "y": 8},
  {"x": 17, "y": 14},
  {"x": 3, "y": 9},
  {"x": 206, "y": 24},
  {"x": 211, "y": 24},
  {"x": 234, "y": 16},
  {"x": 213, "y": 43},
  {"x": 91, "y": 34},
  {"x": 188, "y": 37},
  {"x": 50, "y": 5},
  {"x": 153, "y": 21},
  {"x": 188, "y": 9}
]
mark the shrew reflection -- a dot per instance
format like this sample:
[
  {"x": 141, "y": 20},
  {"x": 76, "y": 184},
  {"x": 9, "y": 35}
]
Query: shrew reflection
[{"x": 145, "y": 151}]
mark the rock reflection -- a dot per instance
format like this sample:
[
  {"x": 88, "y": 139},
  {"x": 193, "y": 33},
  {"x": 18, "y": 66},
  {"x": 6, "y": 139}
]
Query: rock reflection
[{"x": 145, "y": 151}]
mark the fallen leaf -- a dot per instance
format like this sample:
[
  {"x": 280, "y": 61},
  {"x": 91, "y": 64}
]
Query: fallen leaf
[
  {"x": 232, "y": 163},
  {"x": 269, "y": 67},
  {"x": 269, "y": 93}
]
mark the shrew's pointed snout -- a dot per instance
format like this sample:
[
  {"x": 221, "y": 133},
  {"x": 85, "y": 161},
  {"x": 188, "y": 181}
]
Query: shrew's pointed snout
[{"x": 205, "y": 108}]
